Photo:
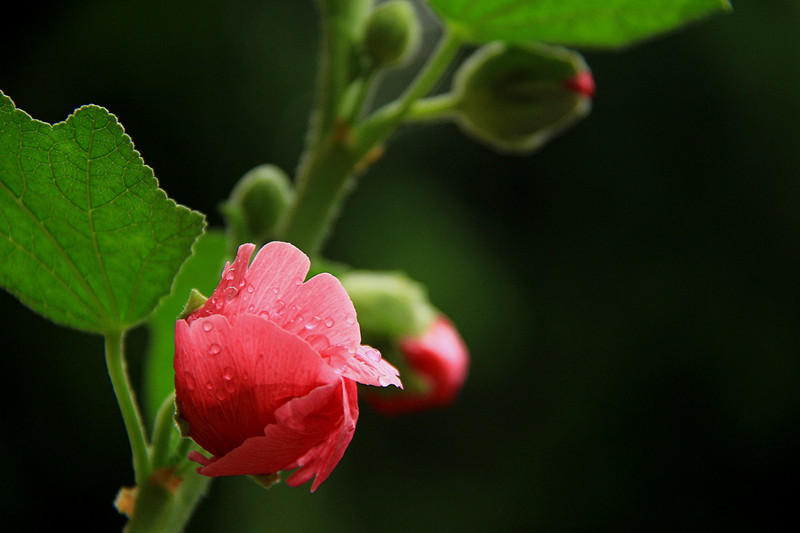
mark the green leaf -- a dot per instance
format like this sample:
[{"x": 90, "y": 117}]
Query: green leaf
[
  {"x": 202, "y": 271},
  {"x": 580, "y": 23},
  {"x": 87, "y": 239}
]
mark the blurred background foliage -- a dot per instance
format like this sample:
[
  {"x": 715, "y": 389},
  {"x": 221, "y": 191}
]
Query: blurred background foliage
[{"x": 630, "y": 293}]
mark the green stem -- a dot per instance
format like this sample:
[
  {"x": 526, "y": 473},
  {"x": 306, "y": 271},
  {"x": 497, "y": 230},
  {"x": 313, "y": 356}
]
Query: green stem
[
  {"x": 118, "y": 372},
  {"x": 385, "y": 120},
  {"x": 431, "y": 109},
  {"x": 319, "y": 193},
  {"x": 163, "y": 433},
  {"x": 340, "y": 21},
  {"x": 329, "y": 170}
]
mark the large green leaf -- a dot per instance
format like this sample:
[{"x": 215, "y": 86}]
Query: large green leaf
[
  {"x": 87, "y": 239},
  {"x": 581, "y": 23},
  {"x": 202, "y": 272}
]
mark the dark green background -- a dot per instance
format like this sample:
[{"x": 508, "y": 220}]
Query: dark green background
[{"x": 630, "y": 294}]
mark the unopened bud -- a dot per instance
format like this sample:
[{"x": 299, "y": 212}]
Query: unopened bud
[
  {"x": 389, "y": 305},
  {"x": 516, "y": 97},
  {"x": 256, "y": 203},
  {"x": 392, "y": 33}
]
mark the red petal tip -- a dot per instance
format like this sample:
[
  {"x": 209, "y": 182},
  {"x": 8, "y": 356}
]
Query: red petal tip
[{"x": 582, "y": 83}]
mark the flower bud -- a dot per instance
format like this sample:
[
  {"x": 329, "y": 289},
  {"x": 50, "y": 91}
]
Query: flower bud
[
  {"x": 435, "y": 367},
  {"x": 256, "y": 203},
  {"x": 392, "y": 33},
  {"x": 389, "y": 304},
  {"x": 515, "y": 97},
  {"x": 396, "y": 317}
]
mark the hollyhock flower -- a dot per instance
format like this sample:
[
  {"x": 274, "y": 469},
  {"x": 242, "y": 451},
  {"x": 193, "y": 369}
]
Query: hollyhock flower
[
  {"x": 266, "y": 369},
  {"x": 439, "y": 359}
]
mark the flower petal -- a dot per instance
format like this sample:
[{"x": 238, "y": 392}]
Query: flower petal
[
  {"x": 231, "y": 375},
  {"x": 311, "y": 432},
  {"x": 321, "y": 460},
  {"x": 363, "y": 364},
  {"x": 321, "y": 312},
  {"x": 263, "y": 288}
]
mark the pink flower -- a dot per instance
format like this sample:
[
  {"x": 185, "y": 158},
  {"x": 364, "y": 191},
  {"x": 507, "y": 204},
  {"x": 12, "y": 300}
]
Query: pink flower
[
  {"x": 439, "y": 358},
  {"x": 266, "y": 370}
]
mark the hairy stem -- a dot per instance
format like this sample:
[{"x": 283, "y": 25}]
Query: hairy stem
[{"x": 126, "y": 398}]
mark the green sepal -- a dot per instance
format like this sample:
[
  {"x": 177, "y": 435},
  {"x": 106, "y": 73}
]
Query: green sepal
[
  {"x": 516, "y": 97},
  {"x": 181, "y": 423},
  {"x": 266, "y": 480},
  {"x": 389, "y": 304},
  {"x": 196, "y": 301}
]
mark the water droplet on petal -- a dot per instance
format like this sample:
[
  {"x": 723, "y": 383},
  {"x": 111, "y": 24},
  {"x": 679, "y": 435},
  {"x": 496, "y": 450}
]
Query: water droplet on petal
[
  {"x": 351, "y": 320},
  {"x": 251, "y": 289},
  {"x": 227, "y": 375},
  {"x": 329, "y": 322},
  {"x": 210, "y": 386},
  {"x": 385, "y": 381},
  {"x": 221, "y": 396},
  {"x": 318, "y": 341},
  {"x": 207, "y": 326},
  {"x": 229, "y": 275},
  {"x": 214, "y": 349},
  {"x": 230, "y": 293},
  {"x": 312, "y": 322},
  {"x": 373, "y": 354}
]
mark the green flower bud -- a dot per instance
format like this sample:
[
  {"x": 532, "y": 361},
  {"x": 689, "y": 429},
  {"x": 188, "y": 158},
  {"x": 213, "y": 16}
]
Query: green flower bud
[
  {"x": 516, "y": 97},
  {"x": 392, "y": 33},
  {"x": 389, "y": 304},
  {"x": 256, "y": 203}
]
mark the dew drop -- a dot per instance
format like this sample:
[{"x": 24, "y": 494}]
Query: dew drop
[
  {"x": 329, "y": 322},
  {"x": 209, "y": 385},
  {"x": 351, "y": 320},
  {"x": 230, "y": 293},
  {"x": 214, "y": 349},
  {"x": 318, "y": 341},
  {"x": 374, "y": 355},
  {"x": 385, "y": 381},
  {"x": 227, "y": 374},
  {"x": 313, "y": 322},
  {"x": 251, "y": 289},
  {"x": 263, "y": 314},
  {"x": 251, "y": 308},
  {"x": 221, "y": 395},
  {"x": 275, "y": 290},
  {"x": 208, "y": 326},
  {"x": 229, "y": 275}
]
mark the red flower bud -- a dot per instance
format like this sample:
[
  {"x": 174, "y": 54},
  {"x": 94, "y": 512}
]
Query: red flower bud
[
  {"x": 440, "y": 359},
  {"x": 265, "y": 371}
]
